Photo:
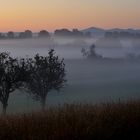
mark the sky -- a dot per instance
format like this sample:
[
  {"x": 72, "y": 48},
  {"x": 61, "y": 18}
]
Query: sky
[{"x": 18, "y": 15}]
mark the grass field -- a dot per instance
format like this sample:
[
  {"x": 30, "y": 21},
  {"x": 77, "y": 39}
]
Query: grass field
[{"x": 75, "y": 122}]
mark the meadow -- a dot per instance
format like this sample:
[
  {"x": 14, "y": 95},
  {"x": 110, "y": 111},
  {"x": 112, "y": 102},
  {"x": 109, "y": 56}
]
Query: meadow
[{"x": 104, "y": 121}]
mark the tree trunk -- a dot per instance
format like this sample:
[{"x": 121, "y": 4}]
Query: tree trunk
[
  {"x": 4, "y": 109},
  {"x": 43, "y": 103}
]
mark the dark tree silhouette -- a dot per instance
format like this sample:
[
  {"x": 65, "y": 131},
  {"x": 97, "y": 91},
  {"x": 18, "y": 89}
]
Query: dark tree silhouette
[
  {"x": 77, "y": 33},
  {"x": 28, "y": 34},
  {"x": 25, "y": 34},
  {"x": 10, "y": 35},
  {"x": 12, "y": 74},
  {"x": 67, "y": 33},
  {"x": 63, "y": 33},
  {"x": 91, "y": 54},
  {"x": 47, "y": 73},
  {"x": 2, "y": 36},
  {"x": 122, "y": 34},
  {"x": 44, "y": 33},
  {"x": 84, "y": 52},
  {"x": 21, "y": 35}
]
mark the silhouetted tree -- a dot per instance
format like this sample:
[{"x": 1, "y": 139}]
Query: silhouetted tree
[
  {"x": 28, "y": 34},
  {"x": 12, "y": 75},
  {"x": 63, "y": 32},
  {"x": 44, "y": 33},
  {"x": 121, "y": 34},
  {"x": 68, "y": 33},
  {"x": 21, "y": 35},
  {"x": 84, "y": 52},
  {"x": 2, "y": 36},
  {"x": 47, "y": 73},
  {"x": 91, "y": 54},
  {"x": 77, "y": 33},
  {"x": 10, "y": 35}
]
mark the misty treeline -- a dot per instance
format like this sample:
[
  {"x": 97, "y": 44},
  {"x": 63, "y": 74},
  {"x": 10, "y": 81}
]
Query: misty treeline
[
  {"x": 38, "y": 75},
  {"x": 43, "y": 34},
  {"x": 64, "y": 32},
  {"x": 121, "y": 34}
]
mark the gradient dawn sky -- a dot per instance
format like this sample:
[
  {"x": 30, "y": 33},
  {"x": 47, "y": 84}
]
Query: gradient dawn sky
[{"x": 19, "y": 15}]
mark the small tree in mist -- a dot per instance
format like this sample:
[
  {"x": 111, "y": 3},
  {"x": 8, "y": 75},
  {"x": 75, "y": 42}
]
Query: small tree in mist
[
  {"x": 91, "y": 53},
  {"x": 13, "y": 73},
  {"x": 47, "y": 73}
]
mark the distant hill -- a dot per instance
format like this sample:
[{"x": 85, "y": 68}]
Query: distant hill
[
  {"x": 94, "y": 31},
  {"x": 99, "y": 32}
]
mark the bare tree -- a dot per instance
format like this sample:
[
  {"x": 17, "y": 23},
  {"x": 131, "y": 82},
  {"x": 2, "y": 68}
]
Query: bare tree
[
  {"x": 12, "y": 75},
  {"x": 91, "y": 54},
  {"x": 47, "y": 73}
]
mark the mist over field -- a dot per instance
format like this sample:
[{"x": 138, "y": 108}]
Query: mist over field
[
  {"x": 70, "y": 48},
  {"x": 115, "y": 76}
]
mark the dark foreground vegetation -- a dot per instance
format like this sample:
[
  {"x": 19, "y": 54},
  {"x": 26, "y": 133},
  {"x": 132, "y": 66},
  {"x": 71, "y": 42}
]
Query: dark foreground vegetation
[
  {"x": 38, "y": 75},
  {"x": 69, "y": 122}
]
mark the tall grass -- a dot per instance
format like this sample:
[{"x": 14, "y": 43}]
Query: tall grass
[{"x": 75, "y": 122}]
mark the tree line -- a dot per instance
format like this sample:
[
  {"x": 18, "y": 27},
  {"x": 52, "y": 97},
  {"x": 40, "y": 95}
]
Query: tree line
[
  {"x": 43, "y": 34},
  {"x": 121, "y": 34},
  {"x": 23, "y": 35},
  {"x": 39, "y": 75}
]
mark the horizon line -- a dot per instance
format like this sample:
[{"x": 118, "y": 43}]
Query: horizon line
[{"x": 96, "y": 27}]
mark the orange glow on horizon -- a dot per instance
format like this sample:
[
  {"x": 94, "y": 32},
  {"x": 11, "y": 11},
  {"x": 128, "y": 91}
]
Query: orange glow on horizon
[{"x": 36, "y": 15}]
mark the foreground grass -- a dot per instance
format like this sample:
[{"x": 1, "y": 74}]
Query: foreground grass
[{"x": 70, "y": 122}]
